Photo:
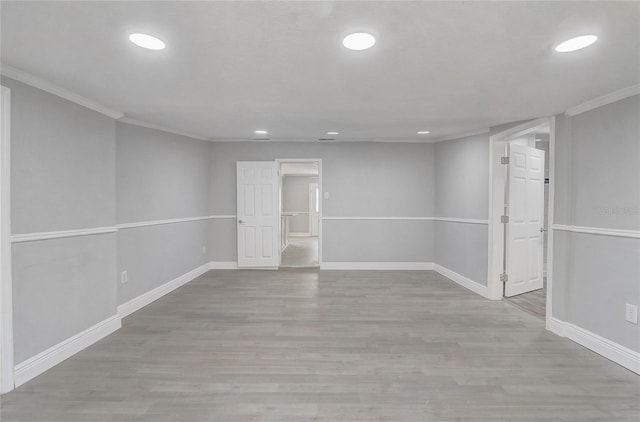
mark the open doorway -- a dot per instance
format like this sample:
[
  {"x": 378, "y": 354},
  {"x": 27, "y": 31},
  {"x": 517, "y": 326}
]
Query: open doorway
[
  {"x": 300, "y": 209},
  {"x": 520, "y": 216}
]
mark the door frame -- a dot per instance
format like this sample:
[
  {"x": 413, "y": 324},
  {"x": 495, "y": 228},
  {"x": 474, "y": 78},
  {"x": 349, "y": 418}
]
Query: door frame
[
  {"x": 497, "y": 181},
  {"x": 310, "y": 218},
  {"x": 6, "y": 298},
  {"x": 307, "y": 160}
]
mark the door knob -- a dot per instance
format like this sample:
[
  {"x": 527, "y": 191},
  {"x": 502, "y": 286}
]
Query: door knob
[
  {"x": 542, "y": 229},
  {"x": 240, "y": 221}
]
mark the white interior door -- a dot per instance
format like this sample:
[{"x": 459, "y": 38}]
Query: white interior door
[
  {"x": 258, "y": 214},
  {"x": 524, "y": 249},
  {"x": 314, "y": 208}
]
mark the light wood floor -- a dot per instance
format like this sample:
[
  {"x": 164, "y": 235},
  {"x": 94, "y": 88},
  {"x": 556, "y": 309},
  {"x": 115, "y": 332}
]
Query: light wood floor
[
  {"x": 302, "y": 345},
  {"x": 534, "y": 302},
  {"x": 301, "y": 252}
]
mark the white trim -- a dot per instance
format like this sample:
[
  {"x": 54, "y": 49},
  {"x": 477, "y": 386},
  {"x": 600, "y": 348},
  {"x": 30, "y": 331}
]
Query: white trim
[
  {"x": 170, "y": 221},
  {"x": 461, "y": 135},
  {"x": 29, "y": 237},
  {"x": 143, "y": 300},
  {"x": 378, "y": 218},
  {"x": 400, "y": 266},
  {"x": 49, "y": 358},
  {"x": 6, "y": 296},
  {"x": 612, "y": 97},
  {"x": 555, "y": 326},
  {"x": 615, "y": 352},
  {"x": 129, "y": 120},
  {"x": 635, "y": 234},
  {"x": 461, "y": 220},
  {"x": 474, "y": 286},
  {"x": 34, "y": 81},
  {"x": 224, "y": 265}
]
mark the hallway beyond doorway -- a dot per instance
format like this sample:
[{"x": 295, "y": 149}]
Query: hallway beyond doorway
[{"x": 301, "y": 252}]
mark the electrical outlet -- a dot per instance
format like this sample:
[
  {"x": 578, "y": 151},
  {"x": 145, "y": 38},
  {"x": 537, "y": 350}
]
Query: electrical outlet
[
  {"x": 204, "y": 249},
  {"x": 632, "y": 314},
  {"x": 123, "y": 277}
]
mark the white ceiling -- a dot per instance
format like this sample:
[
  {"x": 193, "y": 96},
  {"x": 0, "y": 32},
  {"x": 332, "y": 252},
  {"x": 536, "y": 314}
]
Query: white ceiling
[{"x": 232, "y": 67}]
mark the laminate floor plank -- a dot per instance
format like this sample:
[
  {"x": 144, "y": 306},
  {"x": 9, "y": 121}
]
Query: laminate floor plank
[{"x": 308, "y": 345}]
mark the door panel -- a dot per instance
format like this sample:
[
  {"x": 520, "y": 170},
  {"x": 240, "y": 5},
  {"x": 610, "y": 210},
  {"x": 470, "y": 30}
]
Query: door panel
[
  {"x": 524, "y": 249},
  {"x": 257, "y": 200}
]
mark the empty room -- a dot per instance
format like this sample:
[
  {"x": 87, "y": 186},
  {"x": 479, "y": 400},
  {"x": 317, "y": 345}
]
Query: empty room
[{"x": 319, "y": 211}]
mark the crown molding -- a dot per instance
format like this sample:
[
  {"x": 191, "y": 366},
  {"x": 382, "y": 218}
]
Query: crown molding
[
  {"x": 129, "y": 120},
  {"x": 34, "y": 81},
  {"x": 612, "y": 97}
]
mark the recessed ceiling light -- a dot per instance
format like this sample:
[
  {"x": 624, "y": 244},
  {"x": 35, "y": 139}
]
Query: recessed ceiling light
[
  {"x": 359, "y": 41},
  {"x": 576, "y": 43},
  {"x": 260, "y": 132},
  {"x": 147, "y": 41},
  {"x": 423, "y": 132},
  {"x": 333, "y": 133}
]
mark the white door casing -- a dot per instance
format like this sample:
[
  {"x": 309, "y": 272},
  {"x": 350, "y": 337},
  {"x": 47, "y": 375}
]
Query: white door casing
[
  {"x": 525, "y": 199},
  {"x": 6, "y": 297},
  {"x": 314, "y": 208},
  {"x": 258, "y": 214}
]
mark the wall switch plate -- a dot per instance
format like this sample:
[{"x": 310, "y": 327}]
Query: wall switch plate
[
  {"x": 326, "y": 195},
  {"x": 632, "y": 314},
  {"x": 123, "y": 277}
]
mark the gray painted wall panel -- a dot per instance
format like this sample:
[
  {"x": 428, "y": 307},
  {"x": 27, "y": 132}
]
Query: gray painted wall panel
[
  {"x": 463, "y": 248},
  {"x": 462, "y": 178},
  {"x": 60, "y": 288},
  {"x": 598, "y": 169},
  {"x": 160, "y": 175},
  {"x": 155, "y": 255},
  {"x": 605, "y": 277},
  {"x": 62, "y": 163},
  {"x": 377, "y": 241},
  {"x": 462, "y": 191},
  {"x": 606, "y": 166},
  {"x": 225, "y": 242}
]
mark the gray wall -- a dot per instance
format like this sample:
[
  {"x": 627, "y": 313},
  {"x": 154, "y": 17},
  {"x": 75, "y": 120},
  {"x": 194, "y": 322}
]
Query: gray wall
[
  {"x": 62, "y": 178},
  {"x": 363, "y": 180},
  {"x": 597, "y": 185},
  {"x": 462, "y": 191},
  {"x": 295, "y": 198},
  {"x": 160, "y": 176}
]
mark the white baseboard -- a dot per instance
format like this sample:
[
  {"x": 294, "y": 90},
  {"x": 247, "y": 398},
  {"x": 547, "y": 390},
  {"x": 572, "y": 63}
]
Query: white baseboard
[
  {"x": 619, "y": 354},
  {"x": 555, "y": 326},
  {"x": 49, "y": 358},
  {"x": 376, "y": 266},
  {"x": 224, "y": 265},
  {"x": 474, "y": 286},
  {"x": 151, "y": 296},
  {"x": 299, "y": 234}
]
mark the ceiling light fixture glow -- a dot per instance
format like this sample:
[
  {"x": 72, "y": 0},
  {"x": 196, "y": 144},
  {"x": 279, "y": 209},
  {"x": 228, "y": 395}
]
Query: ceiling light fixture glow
[
  {"x": 576, "y": 43},
  {"x": 260, "y": 132},
  {"x": 333, "y": 133},
  {"x": 359, "y": 41},
  {"x": 423, "y": 132},
  {"x": 147, "y": 41}
]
